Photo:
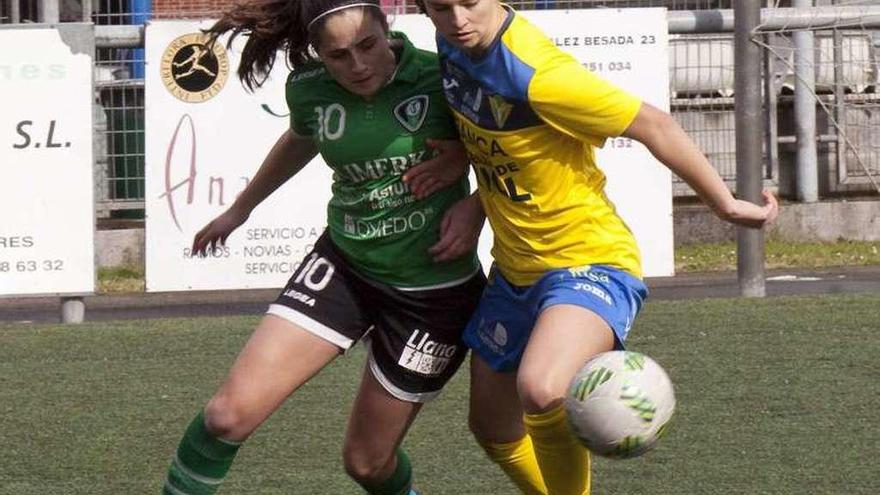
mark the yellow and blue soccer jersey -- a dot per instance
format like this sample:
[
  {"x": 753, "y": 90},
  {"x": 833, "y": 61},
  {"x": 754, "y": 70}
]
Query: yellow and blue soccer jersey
[{"x": 530, "y": 115}]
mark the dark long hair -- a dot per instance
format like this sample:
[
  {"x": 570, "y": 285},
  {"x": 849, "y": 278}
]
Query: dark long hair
[{"x": 273, "y": 25}]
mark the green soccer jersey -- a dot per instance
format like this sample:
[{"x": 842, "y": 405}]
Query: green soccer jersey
[{"x": 373, "y": 218}]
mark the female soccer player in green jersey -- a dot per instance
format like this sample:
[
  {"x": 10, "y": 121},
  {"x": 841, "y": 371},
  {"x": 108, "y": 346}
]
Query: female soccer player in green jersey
[
  {"x": 402, "y": 268},
  {"x": 566, "y": 282}
]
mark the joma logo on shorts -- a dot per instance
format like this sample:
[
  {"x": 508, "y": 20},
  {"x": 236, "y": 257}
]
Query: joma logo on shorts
[{"x": 592, "y": 289}]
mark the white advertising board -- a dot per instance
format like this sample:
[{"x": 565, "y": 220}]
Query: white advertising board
[
  {"x": 205, "y": 139},
  {"x": 46, "y": 189},
  {"x": 630, "y": 48}
]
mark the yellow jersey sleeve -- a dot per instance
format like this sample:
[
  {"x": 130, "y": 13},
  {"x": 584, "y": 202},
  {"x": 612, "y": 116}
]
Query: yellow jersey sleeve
[{"x": 574, "y": 101}]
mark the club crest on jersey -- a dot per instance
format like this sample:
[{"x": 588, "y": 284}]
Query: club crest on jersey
[
  {"x": 411, "y": 112},
  {"x": 500, "y": 109}
]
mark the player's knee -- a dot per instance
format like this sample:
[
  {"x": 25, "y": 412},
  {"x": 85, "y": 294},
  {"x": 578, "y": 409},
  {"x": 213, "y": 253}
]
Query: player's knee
[
  {"x": 224, "y": 418},
  {"x": 364, "y": 466},
  {"x": 538, "y": 393}
]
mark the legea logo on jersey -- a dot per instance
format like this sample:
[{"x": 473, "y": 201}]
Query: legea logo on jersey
[
  {"x": 193, "y": 71},
  {"x": 425, "y": 356},
  {"x": 411, "y": 112}
]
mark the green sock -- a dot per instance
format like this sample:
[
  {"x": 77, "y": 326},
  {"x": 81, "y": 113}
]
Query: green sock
[
  {"x": 400, "y": 481},
  {"x": 201, "y": 463}
]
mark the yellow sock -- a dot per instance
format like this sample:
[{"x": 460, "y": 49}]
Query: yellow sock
[
  {"x": 564, "y": 462},
  {"x": 517, "y": 460}
]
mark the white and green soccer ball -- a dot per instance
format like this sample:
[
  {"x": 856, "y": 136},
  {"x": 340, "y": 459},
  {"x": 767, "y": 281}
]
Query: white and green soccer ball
[{"x": 620, "y": 403}]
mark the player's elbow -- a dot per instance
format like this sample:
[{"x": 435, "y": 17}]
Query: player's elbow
[{"x": 651, "y": 127}]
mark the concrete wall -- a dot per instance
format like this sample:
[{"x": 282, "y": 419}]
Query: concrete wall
[
  {"x": 123, "y": 247},
  {"x": 825, "y": 222}
]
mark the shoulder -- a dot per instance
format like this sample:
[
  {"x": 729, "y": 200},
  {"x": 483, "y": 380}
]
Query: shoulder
[
  {"x": 310, "y": 74},
  {"x": 305, "y": 84},
  {"x": 428, "y": 67},
  {"x": 529, "y": 44},
  {"x": 426, "y": 58},
  {"x": 418, "y": 63}
]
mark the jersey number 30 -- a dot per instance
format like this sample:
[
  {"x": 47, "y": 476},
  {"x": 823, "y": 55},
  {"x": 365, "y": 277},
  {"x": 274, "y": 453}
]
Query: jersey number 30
[{"x": 331, "y": 121}]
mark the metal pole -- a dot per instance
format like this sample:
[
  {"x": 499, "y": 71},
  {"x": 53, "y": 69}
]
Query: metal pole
[
  {"x": 774, "y": 19},
  {"x": 749, "y": 170},
  {"x": 15, "y": 11},
  {"x": 50, "y": 11},
  {"x": 87, "y": 10},
  {"x": 807, "y": 177},
  {"x": 839, "y": 109}
]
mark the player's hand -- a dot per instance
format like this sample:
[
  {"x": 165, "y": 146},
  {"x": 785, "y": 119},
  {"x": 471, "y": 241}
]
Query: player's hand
[
  {"x": 755, "y": 216},
  {"x": 214, "y": 235},
  {"x": 440, "y": 172},
  {"x": 459, "y": 230}
]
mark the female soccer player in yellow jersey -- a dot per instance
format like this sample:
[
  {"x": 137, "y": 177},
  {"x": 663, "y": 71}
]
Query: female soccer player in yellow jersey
[{"x": 566, "y": 283}]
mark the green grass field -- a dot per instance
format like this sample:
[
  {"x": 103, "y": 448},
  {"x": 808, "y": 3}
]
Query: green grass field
[{"x": 777, "y": 396}]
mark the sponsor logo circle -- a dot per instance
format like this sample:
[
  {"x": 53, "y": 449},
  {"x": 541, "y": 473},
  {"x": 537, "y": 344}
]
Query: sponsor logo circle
[{"x": 192, "y": 70}]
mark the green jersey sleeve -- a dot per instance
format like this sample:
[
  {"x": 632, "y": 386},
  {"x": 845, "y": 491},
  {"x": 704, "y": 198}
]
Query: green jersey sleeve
[{"x": 300, "y": 89}]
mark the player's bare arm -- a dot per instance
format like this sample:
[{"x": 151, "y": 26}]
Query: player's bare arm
[
  {"x": 460, "y": 230},
  {"x": 668, "y": 142},
  {"x": 287, "y": 157}
]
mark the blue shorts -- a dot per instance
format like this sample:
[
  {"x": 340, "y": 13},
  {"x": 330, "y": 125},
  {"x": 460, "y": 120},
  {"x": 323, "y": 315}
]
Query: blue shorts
[{"x": 500, "y": 328}]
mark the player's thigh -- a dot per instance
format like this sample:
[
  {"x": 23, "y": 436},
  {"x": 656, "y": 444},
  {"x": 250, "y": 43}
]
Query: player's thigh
[
  {"x": 565, "y": 336},
  {"x": 278, "y": 358},
  {"x": 376, "y": 426},
  {"x": 495, "y": 414},
  {"x": 316, "y": 317},
  {"x": 414, "y": 350}
]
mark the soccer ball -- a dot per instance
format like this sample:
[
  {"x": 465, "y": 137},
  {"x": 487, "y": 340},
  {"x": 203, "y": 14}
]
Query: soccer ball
[{"x": 619, "y": 404}]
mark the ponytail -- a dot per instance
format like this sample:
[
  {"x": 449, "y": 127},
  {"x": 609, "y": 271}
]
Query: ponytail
[{"x": 273, "y": 25}]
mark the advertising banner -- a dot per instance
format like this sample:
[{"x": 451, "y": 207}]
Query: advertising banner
[
  {"x": 206, "y": 137},
  {"x": 46, "y": 183}
]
